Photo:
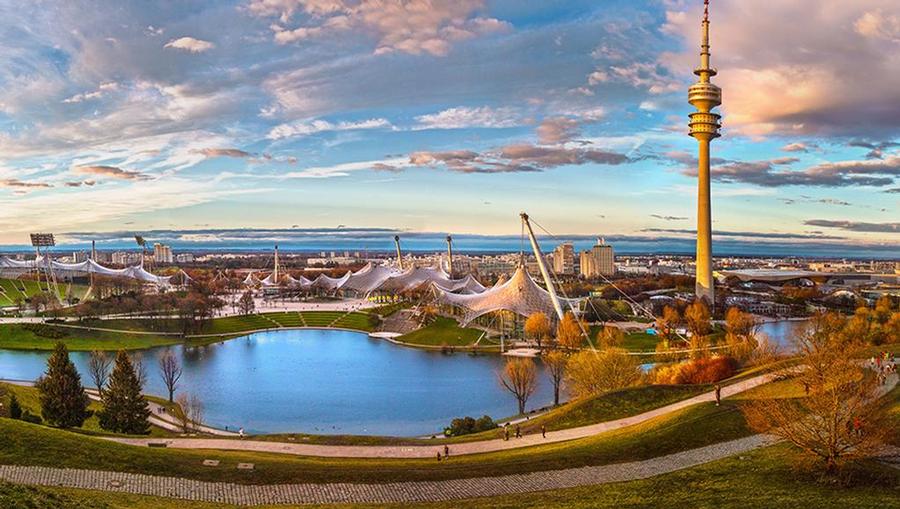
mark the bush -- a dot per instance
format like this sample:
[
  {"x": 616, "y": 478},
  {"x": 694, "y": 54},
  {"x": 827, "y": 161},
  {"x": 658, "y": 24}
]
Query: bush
[
  {"x": 29, "y": 417},
  {"x": 468, "y": 425},
  {"x": 15, "y": 409},
  {"x": 45, "y": 331},
  {"x": 697, "y": 371}
]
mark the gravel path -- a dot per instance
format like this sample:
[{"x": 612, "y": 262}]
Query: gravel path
[{"x": 402, "y": 492}]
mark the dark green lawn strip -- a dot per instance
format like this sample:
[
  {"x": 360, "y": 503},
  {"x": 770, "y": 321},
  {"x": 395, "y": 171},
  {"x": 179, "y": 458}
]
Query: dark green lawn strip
[{"x": 15, "y": 337}]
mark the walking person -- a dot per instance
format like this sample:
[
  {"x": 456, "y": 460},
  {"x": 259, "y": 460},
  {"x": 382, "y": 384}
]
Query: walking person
[
  {"x": 543, "y": 431},
  {"x": 718, "y": 394},
  {"x": 518, "y": 431},
  {"x": 241, "y": 433},
  {"x": 506, "y": 432},
  {"x": 446, "y": 451},
  {"x": 439, "y": 456}
]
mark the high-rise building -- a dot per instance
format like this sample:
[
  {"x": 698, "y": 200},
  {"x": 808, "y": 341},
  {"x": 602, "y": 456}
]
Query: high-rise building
[
  {"x": 564, "y": 259},
  {"x": 162, "y": 253},
  {"x": 598, "y": 260},
  {"x": 704, "y": 127}
]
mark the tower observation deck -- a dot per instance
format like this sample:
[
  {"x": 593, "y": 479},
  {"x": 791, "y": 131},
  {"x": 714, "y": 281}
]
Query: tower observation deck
[{"x": 704, "y": 127}]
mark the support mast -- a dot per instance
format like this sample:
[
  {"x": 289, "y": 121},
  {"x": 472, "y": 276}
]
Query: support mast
[
  {"x": 450, "y": 255},
  {"x": 541, "y": 265},
  {"x": 399, "y": 254}
]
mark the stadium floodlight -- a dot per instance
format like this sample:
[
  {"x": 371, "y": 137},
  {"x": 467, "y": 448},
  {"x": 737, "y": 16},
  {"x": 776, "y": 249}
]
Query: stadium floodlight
[{"x": 42, "y": 240}]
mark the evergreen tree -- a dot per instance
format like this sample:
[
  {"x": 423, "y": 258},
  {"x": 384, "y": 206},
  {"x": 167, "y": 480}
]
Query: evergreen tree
[
  {"x": 63, "y": 400},
  {"x": 124, "y": 407},
  {"x": 15, "y": 409}
]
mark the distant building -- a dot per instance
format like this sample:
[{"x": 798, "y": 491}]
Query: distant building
[
  {"x": 126, "y": 258},
  {"x": 162, "y": 253},
  {"x": 564, "y": 259},
  {"x": 599, "y": 260},
  {"x": 79, "y": 256},
  {"x": 184, "y": 258}
]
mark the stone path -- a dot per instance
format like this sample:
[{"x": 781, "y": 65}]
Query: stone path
[
  {"x": 429, "y": 451},
  {"x": 401, "y": 492}
]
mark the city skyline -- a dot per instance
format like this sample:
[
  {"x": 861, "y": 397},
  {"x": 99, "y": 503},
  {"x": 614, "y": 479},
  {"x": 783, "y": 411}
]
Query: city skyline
[{"x": 447, "y": 119}]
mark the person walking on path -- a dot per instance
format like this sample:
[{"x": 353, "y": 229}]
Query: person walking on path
[
  {"x": 518, "y": 431},
  {"x": 241, "y": 433},
  {"x": 543, "y": 431},
  {"x": 439, "y": 456},
  {"x": 506, "y": 432},
  {"x": 718, "y": 394},
  {"x": 446, "y": 451}
]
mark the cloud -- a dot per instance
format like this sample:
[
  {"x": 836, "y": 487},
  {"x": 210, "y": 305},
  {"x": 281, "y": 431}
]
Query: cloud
[
  {"x": 557, "y": 130},
  {"x": 110, "y": 86},
  {"x": 23, "y": 185},
  {"x": 747, "y": 234},
  {"x": 798, "y": 67},
  {"x": 223, "y": 152},
  {"x": 876, "y": 149},
  {"x": 462, "y": 118},
  {"x": 854, "y": 226},
  {"x": 795, "y": 147},
  {"x": 190, "y": 45},
  {"x": 669, "y": 218},
  {"x": 306, "y": 128},
  {"x": 830, "y": 174},
  {"x": 109, "y": 171},
  {"x": 411, "y": 26},
  {"x": 893, "y": 191},
  {"x": 515, "y": 158}
]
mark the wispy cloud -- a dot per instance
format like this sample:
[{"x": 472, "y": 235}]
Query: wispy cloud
[
  {"x": 109, "y": 171},
  {"x": 190, "y": 44},
  {"x": 855, "y": 226},
  {"x": 306, "y": 128}
]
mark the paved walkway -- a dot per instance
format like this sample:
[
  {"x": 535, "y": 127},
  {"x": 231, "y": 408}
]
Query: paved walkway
[
  {"x": 429, "y": 451},
  {"x": 401, "y": 492}
]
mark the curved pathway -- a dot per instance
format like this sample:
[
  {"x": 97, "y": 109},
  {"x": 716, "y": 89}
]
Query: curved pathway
[
  {"x": 399, "y": 492},
  {"x": 429, "y": 451}
]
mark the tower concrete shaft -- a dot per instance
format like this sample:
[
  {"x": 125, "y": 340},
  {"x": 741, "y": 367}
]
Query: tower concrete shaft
[
  {"x": 450, "y": 255},
  {"x": 704, "y": 127}
]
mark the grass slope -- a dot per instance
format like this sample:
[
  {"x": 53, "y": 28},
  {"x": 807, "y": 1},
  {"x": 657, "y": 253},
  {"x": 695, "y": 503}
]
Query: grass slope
[{"x": 442, "y": 331}]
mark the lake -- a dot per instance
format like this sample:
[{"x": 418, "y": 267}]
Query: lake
[{"x": 322, "y": 382}]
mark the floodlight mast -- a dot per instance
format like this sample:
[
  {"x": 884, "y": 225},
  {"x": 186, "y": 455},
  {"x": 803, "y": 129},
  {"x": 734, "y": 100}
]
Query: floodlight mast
[
  {"x": 450, "y": 255},
  {"x": 46, "y": 240},
  {"x": 399, "y": 254},
  {"x": 543, "y": 267}
]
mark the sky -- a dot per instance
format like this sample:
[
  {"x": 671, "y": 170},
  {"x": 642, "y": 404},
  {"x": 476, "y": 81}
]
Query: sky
[{"x": 448, "y": 116}]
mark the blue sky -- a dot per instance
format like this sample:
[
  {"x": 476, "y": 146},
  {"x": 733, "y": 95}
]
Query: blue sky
[{"x": 446, "y": 116}]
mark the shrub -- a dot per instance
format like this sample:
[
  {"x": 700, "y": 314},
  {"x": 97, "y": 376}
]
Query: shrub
[
  {"x": 45, "y": 331},
  {"x": 29, "y": 417},
  {"x": 468, "y": 425},
  {"x": 15, "y": 409},
  {"x": 698, "y": 371}
]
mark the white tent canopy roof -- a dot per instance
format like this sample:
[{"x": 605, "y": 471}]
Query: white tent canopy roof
[
  {"x": 86, "y": 267},
  {"x": 520, "y": 294}
]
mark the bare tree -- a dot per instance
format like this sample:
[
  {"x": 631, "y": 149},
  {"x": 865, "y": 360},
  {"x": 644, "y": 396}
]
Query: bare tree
[
  {"x": 519, "y": 377},
  {"x": 183, "y": 416},
  {"x": 137, "y": 361},
  {"x": 170, "y": 371},
  {"x": 556, "y": 362},
  {"x": 195, "y": 410},
  {"x": 839, "y": 419},
  {"x": 246, "y": 305},
  {"x": 98, "y": 368}
]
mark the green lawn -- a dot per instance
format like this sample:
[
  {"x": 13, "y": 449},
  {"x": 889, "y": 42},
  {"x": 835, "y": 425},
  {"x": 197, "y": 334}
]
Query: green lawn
[
  {"x": 16, "y": 337},
  {"x": 731, "y": 483},
  {"x": 442, "y": 331}
]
